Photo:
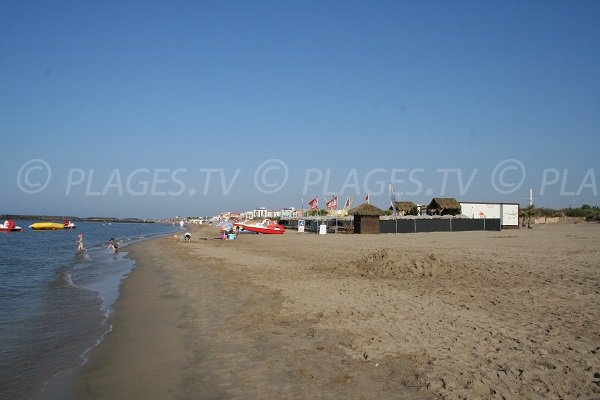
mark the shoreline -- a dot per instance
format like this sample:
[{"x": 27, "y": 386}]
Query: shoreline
[
  {"x": 354, "y": 316},
  {"x": 133, "y": 320},
  {"x": 107, "y": 290}
]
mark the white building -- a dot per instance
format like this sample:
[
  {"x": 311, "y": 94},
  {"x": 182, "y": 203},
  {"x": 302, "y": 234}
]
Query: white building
[
  {"x": 260, "y": 213},
  {"x": 288, "y": 212},
  {"x": 508, "y": 213}
]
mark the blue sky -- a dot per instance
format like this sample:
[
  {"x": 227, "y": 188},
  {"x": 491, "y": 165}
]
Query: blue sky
[{"x": 420, "y": 93}]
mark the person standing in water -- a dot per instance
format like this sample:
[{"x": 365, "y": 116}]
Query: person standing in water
[
  {"x": 113, "y": 245},
  {"x": 80, "y": 246}
]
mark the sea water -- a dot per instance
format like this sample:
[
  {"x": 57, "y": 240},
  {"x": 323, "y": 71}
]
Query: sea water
[{"x": 55, "y": 303}]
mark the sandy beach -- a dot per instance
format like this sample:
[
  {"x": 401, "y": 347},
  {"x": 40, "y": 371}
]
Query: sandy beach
[{"x": 512, "y": 314}]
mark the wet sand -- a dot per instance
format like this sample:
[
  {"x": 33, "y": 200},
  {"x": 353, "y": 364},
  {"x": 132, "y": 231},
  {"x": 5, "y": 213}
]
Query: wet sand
[{"x": 511, "y": 314}]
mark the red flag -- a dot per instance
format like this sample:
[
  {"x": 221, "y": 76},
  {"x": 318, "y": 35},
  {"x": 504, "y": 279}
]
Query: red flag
[
  {"x": 367, "y": 198},
  {"x": 332, "y": 204},
  {"x": 314, "y": 203},
  {"x": 347, "y": 203}
]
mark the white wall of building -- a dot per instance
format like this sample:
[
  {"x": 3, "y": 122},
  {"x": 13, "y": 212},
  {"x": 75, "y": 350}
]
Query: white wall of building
[
  {"x": 508, "y": 213},
  {"x": 260, "y": 213},
  {"x": 480, "y": 210}
]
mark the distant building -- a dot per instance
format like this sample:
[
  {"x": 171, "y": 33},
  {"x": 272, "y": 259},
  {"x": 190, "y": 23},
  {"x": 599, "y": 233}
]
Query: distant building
[
  {"x": 224, "y": 215},
  {"x": 508, "y": 213},
  {"x": 443, "y": 206},
  {"x": 366, "y": 218},
  {"x": 260, "y": 213},
  {"x": 405, "y": 208},
  {"x": 288, "y": 212}
]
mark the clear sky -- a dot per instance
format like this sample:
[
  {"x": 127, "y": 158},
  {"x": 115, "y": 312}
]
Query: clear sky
[{"x": 151, "y": 109}]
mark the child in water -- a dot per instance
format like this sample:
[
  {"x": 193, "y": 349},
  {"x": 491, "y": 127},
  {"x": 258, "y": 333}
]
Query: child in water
[
  {"x": 80, "y": 247},
  {"x": 113, "y": 245}
]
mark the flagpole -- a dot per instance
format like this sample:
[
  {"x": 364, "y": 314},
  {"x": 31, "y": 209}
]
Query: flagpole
[
  {"x": 336, "y": 220},
  {"x": 392, "y": 200},
  {"x": 317, "y": 215},
  {"x": 325, "y": 200},
  {"x": 395, "y": 212}
]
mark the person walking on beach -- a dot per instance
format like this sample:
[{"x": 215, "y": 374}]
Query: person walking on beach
[{"x": 80, "y": 246}]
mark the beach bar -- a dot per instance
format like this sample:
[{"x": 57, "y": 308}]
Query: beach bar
[
  {"x": 366, "y": 218},
  {"x": 443, "y": 206},
  {"x": 405, "y": 208}
]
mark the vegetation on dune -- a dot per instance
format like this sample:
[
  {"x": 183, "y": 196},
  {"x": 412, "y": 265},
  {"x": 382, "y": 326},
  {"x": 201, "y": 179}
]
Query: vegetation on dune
[{"x": 590, "y": 213}]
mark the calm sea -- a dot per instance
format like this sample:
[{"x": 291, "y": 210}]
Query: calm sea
[{"x": 54, "y": 303}]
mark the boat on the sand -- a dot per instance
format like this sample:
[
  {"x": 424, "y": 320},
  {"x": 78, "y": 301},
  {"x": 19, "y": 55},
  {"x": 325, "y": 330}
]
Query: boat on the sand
[{"x": 265, "y": 226}]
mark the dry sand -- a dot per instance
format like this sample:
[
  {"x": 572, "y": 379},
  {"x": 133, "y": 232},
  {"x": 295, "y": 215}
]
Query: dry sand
[{"x": 512, "y": 314}]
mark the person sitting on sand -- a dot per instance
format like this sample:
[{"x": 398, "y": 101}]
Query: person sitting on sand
[
  {"x": 113, "y": 245},
  {"x": 232, "y": 234},
  {"x": 187, "y": 237},
  {"x": 80, "y": 247}
]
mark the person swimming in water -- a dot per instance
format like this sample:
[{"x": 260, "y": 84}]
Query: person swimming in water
[{"x": 113, "y": 245}]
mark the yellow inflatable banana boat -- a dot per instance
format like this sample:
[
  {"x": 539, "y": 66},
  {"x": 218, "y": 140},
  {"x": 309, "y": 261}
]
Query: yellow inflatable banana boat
[{"x": 51, "y": 226}]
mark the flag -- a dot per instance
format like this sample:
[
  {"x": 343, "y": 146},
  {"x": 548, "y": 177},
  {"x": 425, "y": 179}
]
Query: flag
[
  {"x": 314, "y": 203},
  {"x": 332, "y": 204},
  {"x": 367, "y": 198},
  {"x": 347, "y": 205}
]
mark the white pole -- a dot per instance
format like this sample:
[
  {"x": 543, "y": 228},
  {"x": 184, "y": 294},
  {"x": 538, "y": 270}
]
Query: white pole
[{"x": 530, "y": 197}]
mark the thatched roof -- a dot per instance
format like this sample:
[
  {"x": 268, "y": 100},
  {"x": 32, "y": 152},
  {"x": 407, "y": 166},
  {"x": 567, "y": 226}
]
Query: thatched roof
[
  {"x": 366, "y": 209},
  {"x": 404, "y": 206},
  {"x": 444, "y": 203}
]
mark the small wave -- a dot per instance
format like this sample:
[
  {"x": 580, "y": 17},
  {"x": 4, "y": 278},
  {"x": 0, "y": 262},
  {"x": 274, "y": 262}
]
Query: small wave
[
  {"x": 83, "y": 256},
  {"x": 63, "y": 278}
]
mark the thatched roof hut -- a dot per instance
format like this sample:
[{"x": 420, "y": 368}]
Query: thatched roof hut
[
  {"x": 444, "y": 206},
  {"x": 366, "y": 209},
  {"x": 366, "y": 218},
  {"x": 404, "y": 207}
]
